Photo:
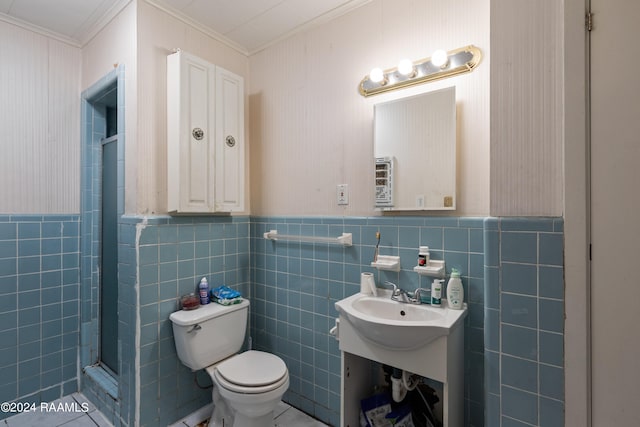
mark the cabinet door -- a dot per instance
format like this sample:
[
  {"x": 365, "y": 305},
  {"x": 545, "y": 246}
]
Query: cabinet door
[
  {"x": 229, "y": 151},
  {"x": 190, "y": 134}
]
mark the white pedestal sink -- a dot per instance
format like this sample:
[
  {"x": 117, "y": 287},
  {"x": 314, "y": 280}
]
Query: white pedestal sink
[
  {"x": 421, "y": 339},
  {"x": 398, "y": 326}
]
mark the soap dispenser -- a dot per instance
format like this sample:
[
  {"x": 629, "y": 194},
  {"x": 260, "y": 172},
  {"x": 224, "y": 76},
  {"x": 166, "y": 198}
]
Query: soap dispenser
[
  {"x": 455, "y": 291},
  {"x": 436, "y": 293}
]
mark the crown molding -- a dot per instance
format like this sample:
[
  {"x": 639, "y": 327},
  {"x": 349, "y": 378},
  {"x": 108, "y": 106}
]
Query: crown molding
[
  {"x": 92, "y": 27},
  {"x": 198, "y": 26},
  {"x": 315, "y": 22},
  {"x": 39, "y": 30}
]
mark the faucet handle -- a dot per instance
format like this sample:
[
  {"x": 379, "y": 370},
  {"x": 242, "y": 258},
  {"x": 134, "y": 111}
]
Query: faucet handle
[
  {"x": 417, "y": 293},
  {"x": 393, "y": 286}
]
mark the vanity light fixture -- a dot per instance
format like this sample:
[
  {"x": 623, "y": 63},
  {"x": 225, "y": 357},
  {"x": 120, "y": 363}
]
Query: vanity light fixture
[{"x": 439, "y": 66}]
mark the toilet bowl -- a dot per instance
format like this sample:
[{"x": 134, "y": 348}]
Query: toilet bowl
[
  {"x": 252, "y": 384},
  {"x": 248, "y": 386}
]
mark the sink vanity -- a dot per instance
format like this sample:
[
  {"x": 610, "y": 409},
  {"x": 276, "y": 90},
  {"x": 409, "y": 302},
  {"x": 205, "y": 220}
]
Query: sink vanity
[{"x": 418, "y": 338}]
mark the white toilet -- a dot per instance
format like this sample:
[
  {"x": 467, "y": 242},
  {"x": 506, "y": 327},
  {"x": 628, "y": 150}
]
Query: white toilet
[{"x": 251, "y": 383}]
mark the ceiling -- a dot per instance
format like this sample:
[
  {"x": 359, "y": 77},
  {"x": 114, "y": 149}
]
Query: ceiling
[{"x": 247, "y": 25}]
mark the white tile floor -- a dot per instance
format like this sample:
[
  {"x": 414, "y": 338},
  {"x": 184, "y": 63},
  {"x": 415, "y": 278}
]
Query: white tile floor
[
  {"x": 76, "y": 411},
  {"x": 285, "y": 416},
  {"x": 292, "y": 417}
]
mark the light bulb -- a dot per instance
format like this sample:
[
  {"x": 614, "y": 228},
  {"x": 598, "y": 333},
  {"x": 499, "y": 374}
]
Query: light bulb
[
  {"x": 405, "y": 67},
  {"x": 376, "y": 75},
  {"x": 439, "y": 58}
]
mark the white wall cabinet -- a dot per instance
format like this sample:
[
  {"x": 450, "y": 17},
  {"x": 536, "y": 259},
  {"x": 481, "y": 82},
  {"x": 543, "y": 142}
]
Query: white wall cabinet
[{"x": 205, "y": 137}]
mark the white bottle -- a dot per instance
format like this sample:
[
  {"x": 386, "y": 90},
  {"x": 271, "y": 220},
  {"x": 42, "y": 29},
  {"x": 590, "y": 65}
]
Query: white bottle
[
  {"x": 423, "y": 256},
  {"x": 455, "y": 291},
  {"x": 436, "y": 293}
]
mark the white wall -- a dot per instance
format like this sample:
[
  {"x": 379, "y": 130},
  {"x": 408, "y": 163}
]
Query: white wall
[
  {"x": 158, "y": 34},
  {"x": 307, "y": 127},
  {"x": 311, "y": 130},
  {"x": 526, "y": 108},
  {"x": 141, "y": 37},
  {"x": 116, "y": 44},
  {"x": 39, "y": 123}
]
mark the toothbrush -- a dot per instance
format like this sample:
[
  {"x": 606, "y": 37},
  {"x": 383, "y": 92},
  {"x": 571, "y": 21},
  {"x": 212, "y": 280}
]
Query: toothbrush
[{"x": 375, "y": 253}]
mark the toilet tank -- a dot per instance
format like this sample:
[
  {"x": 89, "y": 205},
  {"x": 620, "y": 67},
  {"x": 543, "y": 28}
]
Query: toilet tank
[{"x": 210, "y": 333}]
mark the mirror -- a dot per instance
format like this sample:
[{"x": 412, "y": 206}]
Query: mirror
[{"x": 415, "y": 152}]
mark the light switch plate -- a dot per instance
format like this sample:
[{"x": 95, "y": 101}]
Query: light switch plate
[{"x": 342, "y": 194}]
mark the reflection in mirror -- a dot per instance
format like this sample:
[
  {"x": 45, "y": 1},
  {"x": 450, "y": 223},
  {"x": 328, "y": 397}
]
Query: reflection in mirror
[{"x": 415, "y": 152}]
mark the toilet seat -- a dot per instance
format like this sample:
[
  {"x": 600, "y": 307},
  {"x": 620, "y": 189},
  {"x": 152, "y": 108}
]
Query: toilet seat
[{"x": 250, "y": 372}]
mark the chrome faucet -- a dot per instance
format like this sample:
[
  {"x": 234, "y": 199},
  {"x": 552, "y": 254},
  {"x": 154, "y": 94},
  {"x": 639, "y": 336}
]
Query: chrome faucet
[
  {"x": 416, "y": 295},
  {"x": 393, "y": 286},
  {"x": 398, "y": 294}
]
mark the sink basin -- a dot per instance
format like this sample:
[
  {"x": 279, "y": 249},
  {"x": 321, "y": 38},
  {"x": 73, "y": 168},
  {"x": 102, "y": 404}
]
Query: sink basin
[{"x": 395, "y": 325}]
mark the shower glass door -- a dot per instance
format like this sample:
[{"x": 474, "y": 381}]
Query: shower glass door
[{"x": 109, "y": 257}]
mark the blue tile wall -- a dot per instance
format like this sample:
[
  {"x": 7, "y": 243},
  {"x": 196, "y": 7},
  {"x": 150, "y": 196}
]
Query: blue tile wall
[
  {"x": 515, "y": 321},
  {"x": 296, "y": 285},
  {"x": 172, "y": 255},
  {"x": 524, "y": 322},
  {"x": 39, "y": 307}
]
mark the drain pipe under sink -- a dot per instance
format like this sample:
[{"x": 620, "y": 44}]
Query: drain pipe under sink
[{"x": 401, "y": 382}]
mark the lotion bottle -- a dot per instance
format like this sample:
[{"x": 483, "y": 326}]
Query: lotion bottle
[
  {"x": 436, "y": 293},
  {"x": 455, "y": 291}
]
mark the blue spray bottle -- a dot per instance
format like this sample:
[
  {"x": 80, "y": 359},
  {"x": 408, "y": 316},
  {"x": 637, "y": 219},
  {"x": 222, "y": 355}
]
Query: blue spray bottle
[{"x": 203, "y": 289}]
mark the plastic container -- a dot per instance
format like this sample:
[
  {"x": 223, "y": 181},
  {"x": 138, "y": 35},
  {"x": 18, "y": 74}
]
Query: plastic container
[
  {"x": 423, "y": 256},
  {"x": 436, "y": 292},
  {"x": 203, "y": 290},
  {"x": 455, "y": 291},
  {"x": 190, "y": 301}
]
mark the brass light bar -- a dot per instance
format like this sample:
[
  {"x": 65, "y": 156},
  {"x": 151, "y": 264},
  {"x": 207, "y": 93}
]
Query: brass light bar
[{"x": 458, "y": 61}]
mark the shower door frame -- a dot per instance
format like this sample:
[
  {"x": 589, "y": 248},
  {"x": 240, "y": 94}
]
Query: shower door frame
[{"x": 93, "y": 133}]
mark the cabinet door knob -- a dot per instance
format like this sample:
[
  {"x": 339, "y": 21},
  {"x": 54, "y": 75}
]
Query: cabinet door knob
[
  {"x": 197, "y": 133},
  {"x": 230, "y": 140}
]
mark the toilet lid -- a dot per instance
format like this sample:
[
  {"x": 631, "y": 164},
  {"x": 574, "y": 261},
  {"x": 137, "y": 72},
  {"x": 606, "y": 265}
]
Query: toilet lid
[{"x": 252, "y": 369}]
